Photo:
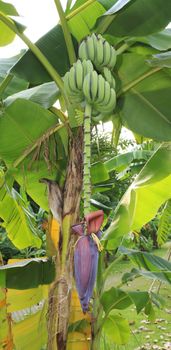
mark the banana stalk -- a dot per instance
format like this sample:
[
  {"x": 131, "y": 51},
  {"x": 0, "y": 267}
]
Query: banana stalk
[{"x": 87, "y": 155}]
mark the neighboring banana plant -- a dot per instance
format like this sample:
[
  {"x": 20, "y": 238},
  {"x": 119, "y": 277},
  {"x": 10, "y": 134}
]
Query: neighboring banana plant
[{"x": 39, "y": 141}]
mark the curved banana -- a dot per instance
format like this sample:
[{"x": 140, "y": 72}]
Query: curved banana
[
  {"x": 90, "y": 48},
  {"x": 101, "y": 89},
  {"x": 109, "y": 77},
  {"x": 87, "y": 88},
  {"x": 106, "y": 96},
  {"x": 72, "y": 79},
  {"x": 109, "y": 107},
  {"x": 79, "y": 74},
  {"x": 87, "y": 67},
  {"x": 66, "y": 83},
  {"x": 112, "y": 61},
  {"x": 71, "y": 84},
  {"x": 107, "y": 53},
  {"x": 82, "y": 51},
  {"x": 94, "y": 84},
  {"x": 99, "y": 53}
]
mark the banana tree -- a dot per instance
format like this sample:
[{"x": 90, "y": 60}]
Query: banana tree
[{"x": 95, "y": 62}]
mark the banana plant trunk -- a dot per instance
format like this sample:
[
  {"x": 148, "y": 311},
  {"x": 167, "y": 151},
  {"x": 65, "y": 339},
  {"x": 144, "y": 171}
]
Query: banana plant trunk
[{"x": 60, "y": 294}]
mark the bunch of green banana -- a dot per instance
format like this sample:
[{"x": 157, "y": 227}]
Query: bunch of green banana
[
  {"x": 98, "y": 93},
  {"x": 99, "y": 51},
  {"x": 73, "y": 80}
]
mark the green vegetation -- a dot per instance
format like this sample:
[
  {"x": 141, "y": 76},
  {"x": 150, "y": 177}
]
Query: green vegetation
[
  {"x": 146, "y": 333},
  {"x": 104, "y": 61}
]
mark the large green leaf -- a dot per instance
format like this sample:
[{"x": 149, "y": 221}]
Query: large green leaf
[
  {"x": 99, "y": 173},
  {"x": 16, "y": 222},
  {"x": 138, "y": 17},
  {"x": 7, "y": 35},
  {"x": 115, "y": 298},
  {"x": 18, "y": 299},
  {"x": 160, "y": 41},
  {"x": 36, "y": 154},
  {"x": 147, "y": 261},
  {"x": 28, "y": 274},
  {"x": 122, "y": 161},
  {"x": 8, "y": 8},
  {"x": 161, "y": 60},
  {"x": 45, "y": 95},
  {"x": 144, "y": 101},
  {"x": 155, "y": 267},
  {"x": 14, "y": 86},
  {"x": 22, "y": 124},
  {"x": 31, "y": 333},
  {"x": 116, "y": 329},
  {"x": 80, "y": 25},
  {"x": 143, "y": 198},
  {"x": 30, "y": 172},
  {"x": 7, "y": 63},
  {"x": 162, "y": 276},
  {"x": 53, "y": 46}
]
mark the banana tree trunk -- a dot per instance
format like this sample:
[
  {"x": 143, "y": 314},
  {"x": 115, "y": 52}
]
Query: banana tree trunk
[{"x": 60, "y": 294}]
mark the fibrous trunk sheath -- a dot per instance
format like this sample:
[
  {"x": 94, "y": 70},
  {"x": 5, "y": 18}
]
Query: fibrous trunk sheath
[{"x": 61, "y": 293}]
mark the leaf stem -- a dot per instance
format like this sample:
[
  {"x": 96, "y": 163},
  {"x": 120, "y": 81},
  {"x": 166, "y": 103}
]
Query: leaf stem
[
  {"x": 79, "y": 9},
  {"x": 68, "y": 5},
  {"x": 136, "y": 81},
  {"x": 104, "y": 24},
  {"x": 5, "y": 83},
  {"x": 87, "y": 156},
  {"x": 66, "y": 32},
  {"x": 123, "y": 48},
  {"x": 28, "y": 150}
]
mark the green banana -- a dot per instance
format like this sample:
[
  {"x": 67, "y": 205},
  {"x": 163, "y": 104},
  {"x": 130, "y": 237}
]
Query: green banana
[
  {"x": 87, "y": 67},
  {"x": 98, "y": 50},
  {"x": 99, "y": 53},
  {"x": 106, "y": 96},
  {"x": 79, "y": 74},
  {"x": 70, "y": 84},
  {"x": 112, "y": 61},
  {"x": 109, "y": 77},
  {"x": 94, "y": 84},
  {"x": 66, "y": 83},
  {"x": 82, "y": 51},
  {"x": 101, "y": 89},
  {"x": 107, "y": 53},
  {"x": 72, "y": 79},
  {"x": 87, "y": 88},
  {"x": 90, "y": 48},
  {"x": 109, "y": 107}
]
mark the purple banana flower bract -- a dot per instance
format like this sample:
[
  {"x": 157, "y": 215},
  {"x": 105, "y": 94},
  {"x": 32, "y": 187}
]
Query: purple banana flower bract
[
  {"x": 85, "y": 264},
  {"x": 86, "y": 255}
]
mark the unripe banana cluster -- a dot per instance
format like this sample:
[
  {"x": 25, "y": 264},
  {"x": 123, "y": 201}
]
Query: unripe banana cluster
[
  {"x": 98, "y": 93},
  {"x": 83, "y": 83},
  {"x": 96, "y": 49},
  {"x": 74, "y": 79}
]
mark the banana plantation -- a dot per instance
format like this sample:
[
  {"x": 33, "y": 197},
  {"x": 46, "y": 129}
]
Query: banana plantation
[{"x": 85, "y": 178}]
